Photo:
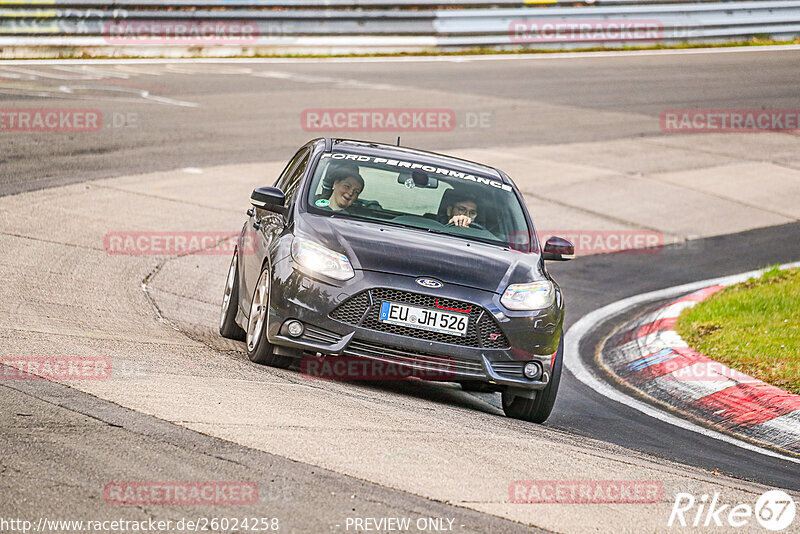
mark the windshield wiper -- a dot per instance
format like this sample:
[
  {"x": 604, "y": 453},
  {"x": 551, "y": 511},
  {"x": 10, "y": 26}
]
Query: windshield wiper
[
  {"x": 435, "y": 231},
  {"x": 466, "y": 237}
]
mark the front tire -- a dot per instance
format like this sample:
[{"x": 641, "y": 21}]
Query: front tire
[
  {"x": 230, "y": 303},
  {"x": 538, "y": 409},
  {"x": 259, "y": 349}
]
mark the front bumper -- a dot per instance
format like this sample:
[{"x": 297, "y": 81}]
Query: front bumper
[{"x": 532, "y": 336}]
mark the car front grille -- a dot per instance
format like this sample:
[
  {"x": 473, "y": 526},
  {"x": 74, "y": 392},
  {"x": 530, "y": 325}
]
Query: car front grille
[
  {"x": 363, "y": 309},
  {"x": 353, "y": 310}
]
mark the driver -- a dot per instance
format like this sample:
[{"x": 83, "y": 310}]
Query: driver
[
  {"x": 347, "y": 185},
  {"x": 462, "y": 211}
]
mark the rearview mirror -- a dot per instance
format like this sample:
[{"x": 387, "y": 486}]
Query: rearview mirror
[
  {"x": 268, "y": 198},
  {"x": 418, "y": 178},
  {"x": 558, "y": 249}
]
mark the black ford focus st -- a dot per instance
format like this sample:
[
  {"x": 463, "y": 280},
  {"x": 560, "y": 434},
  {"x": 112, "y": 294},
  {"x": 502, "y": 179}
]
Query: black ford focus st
[{"x": 415, "y": 259}]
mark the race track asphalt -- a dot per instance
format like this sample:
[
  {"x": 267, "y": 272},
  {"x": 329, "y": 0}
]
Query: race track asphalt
[
  {"x": 64, "y": 438},
  {"x": 198, "y": 115}
]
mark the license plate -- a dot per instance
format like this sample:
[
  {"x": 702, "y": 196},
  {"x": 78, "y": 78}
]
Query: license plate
[{"x": 424, "y": 318}]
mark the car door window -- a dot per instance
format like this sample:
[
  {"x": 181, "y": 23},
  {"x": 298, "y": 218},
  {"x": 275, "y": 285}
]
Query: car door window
[
  {"x": 287, "y": 171},
  {"x": 295, "y": 177}
]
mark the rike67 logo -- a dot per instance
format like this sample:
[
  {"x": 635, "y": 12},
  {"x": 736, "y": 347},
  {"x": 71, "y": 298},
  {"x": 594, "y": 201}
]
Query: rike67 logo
[{"x": 774, "y": 510}]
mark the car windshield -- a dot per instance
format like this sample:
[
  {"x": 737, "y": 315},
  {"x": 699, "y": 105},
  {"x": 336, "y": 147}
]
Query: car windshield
[{"x": 422, "y": 196}]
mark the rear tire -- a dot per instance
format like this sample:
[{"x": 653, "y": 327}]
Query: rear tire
[
  {"x": 230, "y": 303},
  {"x": 259, "y": 349},
  {"x": 538, "y": 409}
]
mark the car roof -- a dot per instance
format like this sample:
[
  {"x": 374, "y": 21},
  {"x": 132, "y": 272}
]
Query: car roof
[{"x": 369, "y": 148}]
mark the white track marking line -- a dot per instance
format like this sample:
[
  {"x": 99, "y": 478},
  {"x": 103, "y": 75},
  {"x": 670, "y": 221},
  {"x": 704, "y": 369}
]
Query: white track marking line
[
  {"x": 27, "y": 93},
  {"x": 5, "y": 73},
  {"x": 586, "y": 324},
  {"x": 136, "y": 70},
  {"x": 180, "y": 68},
  {"x": 86, "y": 69},
  {"x": 170, "y": 101},
  {"x": 692, "y": 390},
  {"x": 338, "y": 83},
  {"x": 412, "y": 59},
  {"x": 75, "y": 76},
  {"x": 786, "y": 424},
  {"x": 674, "y": 310},
  {"x": 107, "y": 93}
]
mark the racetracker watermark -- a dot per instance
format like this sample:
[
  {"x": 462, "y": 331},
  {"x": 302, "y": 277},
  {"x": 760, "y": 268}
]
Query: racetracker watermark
[
  {"x": 180, "y": 32},
  {"x": 245, "y": 523},
  {"x": 181, "y": 493},
  {"x": 50, "y": 120},
  {"x": 729, "y": 120},
  {"x": 55, "y": 368},
  {"x": 598, "y": 241},
  {"x": 379, "y": 120},
  {"x": 600, "y": 30},
  {"x": 348, "y": 368},
  {"x": 585, "y": 491},
  {"x": 64, "y": 120},
  {"x": 705, "y": 371},
  {"x": 177, "y": 243}
]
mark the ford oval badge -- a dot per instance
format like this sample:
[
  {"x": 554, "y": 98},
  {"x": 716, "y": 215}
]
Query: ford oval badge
[{"x": 429, "y": 282}]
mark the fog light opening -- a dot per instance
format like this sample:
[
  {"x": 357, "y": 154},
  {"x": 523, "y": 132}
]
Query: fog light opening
[
  {"x": 295, "y": 328},
  {"x": 532, "y": 370}
]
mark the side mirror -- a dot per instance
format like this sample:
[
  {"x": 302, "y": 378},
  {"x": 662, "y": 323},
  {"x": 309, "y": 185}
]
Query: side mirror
[
  {"x": 558, "y": 249},
  {"x": 268, "y": 198}
]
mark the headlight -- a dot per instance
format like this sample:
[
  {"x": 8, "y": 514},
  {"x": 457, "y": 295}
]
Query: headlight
[
  {"x": 319, "y": 259},
  {"x": 532, "y": 296}
]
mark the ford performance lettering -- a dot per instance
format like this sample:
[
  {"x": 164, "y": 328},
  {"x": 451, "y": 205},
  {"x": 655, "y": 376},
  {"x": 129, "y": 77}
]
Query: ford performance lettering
[{"x": 427, "y": 168}]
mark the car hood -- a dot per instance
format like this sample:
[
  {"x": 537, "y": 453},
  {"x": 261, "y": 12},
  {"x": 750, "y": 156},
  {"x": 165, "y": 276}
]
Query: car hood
[{"x": 416, "y": 253}]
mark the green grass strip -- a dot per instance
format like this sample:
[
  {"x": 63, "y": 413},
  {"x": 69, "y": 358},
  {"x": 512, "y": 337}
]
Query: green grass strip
[{"x": 753, "y": 327}]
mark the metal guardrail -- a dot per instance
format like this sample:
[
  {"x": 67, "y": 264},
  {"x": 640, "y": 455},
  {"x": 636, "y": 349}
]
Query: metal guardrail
[
  {"x": 369, "y": 25},
  {"x": 347, "y": 4}
]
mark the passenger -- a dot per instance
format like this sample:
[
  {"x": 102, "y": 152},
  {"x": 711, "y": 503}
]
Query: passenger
[
  {"x": 462, "y": 211},
  {"x": 347, "y": 185}
]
